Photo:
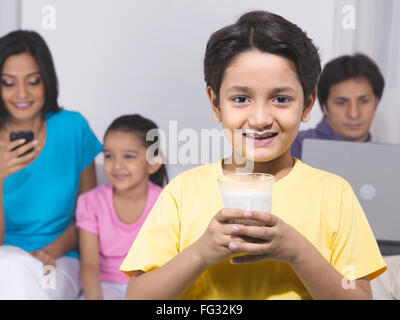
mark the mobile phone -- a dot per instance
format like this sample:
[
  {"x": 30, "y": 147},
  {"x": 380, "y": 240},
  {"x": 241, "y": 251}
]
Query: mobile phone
[{"x": 27, "y": 135}]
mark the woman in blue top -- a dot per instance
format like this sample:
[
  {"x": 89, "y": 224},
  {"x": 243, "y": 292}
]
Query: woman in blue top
[{"x": 38, "y": 189}]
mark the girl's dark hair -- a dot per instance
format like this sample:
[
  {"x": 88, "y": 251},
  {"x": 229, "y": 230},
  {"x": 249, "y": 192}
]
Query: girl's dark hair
[
  {"x": 348, "y": 67},
  {"x": 266, "y": 32},
  {"x": 22, "y": 41},
  {"x": 140, "y": 126}
]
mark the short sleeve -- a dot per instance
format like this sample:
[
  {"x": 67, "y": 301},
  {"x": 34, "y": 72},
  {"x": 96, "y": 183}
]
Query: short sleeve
[
  {"x": 158, "y": 239},
  {"x": 355, "y": 252},
  {"x": 90, "y": 146},
  {"x": 86, "y": 214}
]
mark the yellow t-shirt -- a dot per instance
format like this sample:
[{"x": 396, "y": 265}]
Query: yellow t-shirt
[{"x": 318, "y": 204}]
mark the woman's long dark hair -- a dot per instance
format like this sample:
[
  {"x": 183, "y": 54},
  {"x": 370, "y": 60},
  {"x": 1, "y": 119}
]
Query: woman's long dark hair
[
  {"x": 24, "y": 41},
  {"x": 140, "y": 126}
]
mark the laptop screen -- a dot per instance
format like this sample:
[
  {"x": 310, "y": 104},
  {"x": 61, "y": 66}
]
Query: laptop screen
[{"x": 373, "y": 171}]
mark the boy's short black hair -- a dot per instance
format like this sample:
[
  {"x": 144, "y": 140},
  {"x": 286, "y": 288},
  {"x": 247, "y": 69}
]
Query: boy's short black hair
[
  {"x": 347, "y": 67},
  {"x": 266, "y": 32},
  {"x": 21, "y": 41}
]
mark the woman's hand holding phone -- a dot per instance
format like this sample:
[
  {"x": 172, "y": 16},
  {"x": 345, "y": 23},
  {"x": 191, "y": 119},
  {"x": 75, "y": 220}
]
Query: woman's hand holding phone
[{"x": 13, "y": 157}]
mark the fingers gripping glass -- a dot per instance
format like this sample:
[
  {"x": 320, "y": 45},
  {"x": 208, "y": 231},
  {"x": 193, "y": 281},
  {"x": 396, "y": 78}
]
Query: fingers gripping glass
[{"x": 27, "y": 135}]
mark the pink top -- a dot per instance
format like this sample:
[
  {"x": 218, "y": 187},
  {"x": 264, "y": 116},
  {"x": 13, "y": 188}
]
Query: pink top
[{"x": 95, "y": 213}]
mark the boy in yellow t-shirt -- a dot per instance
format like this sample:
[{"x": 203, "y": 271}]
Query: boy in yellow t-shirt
[{"x": 261, "y": 74}]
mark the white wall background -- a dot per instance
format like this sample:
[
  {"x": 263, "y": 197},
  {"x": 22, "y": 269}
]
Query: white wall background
[
  {"x": 10, "y": 16},
  {"x": 122, "y": 56},
  {"x": 376, "y": 32}
]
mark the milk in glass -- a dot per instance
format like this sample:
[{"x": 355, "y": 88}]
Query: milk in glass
[{"x": 251, "y": 200}]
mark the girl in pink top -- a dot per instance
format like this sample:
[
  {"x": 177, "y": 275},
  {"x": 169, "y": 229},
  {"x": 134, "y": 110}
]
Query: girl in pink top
[{"x": 110, "y": 216}]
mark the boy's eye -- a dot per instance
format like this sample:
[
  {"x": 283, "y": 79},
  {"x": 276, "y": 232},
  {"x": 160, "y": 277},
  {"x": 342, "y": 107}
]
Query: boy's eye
[
  {"x": 240, "y": 99},
  {"x": 128, "y": 156},
  {"x": 281, "y": 99},
  {"x": 107, "y": 156}
]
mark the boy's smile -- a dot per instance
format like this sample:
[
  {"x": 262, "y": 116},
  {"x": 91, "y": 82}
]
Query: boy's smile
[
  {"x": 261, "y": 104},
  {"x": 259, "y": 137}
]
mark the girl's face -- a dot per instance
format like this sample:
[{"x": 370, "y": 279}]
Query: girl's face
[
  {"x": 125, "y": 161},
  {"x": 261, "y": 105},
  {"x": 22, "y": 87}
]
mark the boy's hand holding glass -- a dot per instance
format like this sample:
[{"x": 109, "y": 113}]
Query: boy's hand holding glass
[
  {"x": 273, "y": 240},
  {"x": 213, "y": 246},
  {"x": 265, "y": 237},
  {"x": 245, "y": 225}
]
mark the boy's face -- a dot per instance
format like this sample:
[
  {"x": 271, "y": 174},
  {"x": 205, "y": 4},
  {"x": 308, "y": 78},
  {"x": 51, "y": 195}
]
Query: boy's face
[
  {"x": 261, "y": 104},
  {"x": 351, "y": 108}
]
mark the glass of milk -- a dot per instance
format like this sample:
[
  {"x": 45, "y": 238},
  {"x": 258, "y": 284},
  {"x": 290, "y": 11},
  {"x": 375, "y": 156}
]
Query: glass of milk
[{"x": 247, "y": 191}]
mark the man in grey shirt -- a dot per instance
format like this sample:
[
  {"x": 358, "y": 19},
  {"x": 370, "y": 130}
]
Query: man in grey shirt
[{"x": 349, "y": 90}]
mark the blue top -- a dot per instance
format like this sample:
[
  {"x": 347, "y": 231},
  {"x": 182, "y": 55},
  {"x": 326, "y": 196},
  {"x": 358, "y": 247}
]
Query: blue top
[
  {"x": 39, "y": 200},
  {"x": 322, "y": 131}
]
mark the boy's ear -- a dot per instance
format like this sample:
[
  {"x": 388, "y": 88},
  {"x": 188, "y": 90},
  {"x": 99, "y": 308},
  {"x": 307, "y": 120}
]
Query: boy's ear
[
  {"x": 154, "y": 164},
  {"x": 307, "y": 110},
  {"x": 214, "y": 104}
]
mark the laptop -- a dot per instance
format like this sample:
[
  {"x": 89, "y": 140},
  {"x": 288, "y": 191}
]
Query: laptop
[{"x": 373, "y": 171}]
